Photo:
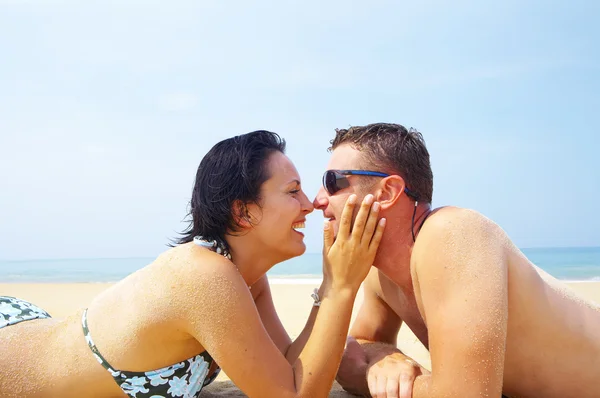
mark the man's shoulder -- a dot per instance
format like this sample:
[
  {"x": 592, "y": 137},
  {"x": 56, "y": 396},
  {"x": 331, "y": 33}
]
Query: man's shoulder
[
  {"x": 452, "y": 218},
  {"x": 451, "y": 230},
  {"x": 454, "y": 212}
]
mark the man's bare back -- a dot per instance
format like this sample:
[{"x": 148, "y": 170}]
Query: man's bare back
[{"x": 553, "y": 336}]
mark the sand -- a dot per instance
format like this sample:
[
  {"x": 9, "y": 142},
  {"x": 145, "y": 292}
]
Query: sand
[{"x": 293, "y": 303}]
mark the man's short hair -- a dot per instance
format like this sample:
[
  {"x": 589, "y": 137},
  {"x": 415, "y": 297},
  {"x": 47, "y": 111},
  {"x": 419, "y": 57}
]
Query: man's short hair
[{"x": 393, "y": 149}]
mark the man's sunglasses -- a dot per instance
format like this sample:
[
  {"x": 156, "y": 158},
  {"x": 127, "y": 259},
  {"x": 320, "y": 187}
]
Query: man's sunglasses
[{"x": 335, "y": 180}]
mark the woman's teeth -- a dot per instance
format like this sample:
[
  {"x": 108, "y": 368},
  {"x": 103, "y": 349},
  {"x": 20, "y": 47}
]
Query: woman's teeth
[{"x": 298, "y": 225}]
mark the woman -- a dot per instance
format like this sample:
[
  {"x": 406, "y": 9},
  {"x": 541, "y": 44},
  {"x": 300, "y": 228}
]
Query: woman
[{"x": 208, "y": 294}]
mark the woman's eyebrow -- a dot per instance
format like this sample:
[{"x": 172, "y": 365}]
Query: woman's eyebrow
[{"x": 294, "y": 181}]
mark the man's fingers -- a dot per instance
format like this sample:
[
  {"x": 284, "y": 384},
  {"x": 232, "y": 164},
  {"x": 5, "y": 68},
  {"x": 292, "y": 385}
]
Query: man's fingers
[
  {"x": 372, "y": 382},
  {"x": 381, "y": 386},
  {"x": 406, "y": 386},
  {"x": 392, "y": 388}
]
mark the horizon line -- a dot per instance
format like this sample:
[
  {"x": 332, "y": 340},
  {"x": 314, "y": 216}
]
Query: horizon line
[{"x": 147, "y": 257}]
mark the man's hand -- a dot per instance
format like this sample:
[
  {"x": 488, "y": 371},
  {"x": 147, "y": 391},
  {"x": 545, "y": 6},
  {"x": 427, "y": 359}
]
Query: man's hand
[
  {"x": 390, "y": 374},
  {"x": 393, "y": 376}
]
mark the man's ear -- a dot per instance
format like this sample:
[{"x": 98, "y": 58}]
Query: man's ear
[{"x": 390, "y": 189}]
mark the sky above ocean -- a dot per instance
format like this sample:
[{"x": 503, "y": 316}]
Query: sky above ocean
[{"x": 106, "y": 109}]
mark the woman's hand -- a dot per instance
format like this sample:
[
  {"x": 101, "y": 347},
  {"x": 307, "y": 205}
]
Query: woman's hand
[{"x": 346, "y": 262}]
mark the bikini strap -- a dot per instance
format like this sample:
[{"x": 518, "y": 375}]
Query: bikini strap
[
  {"x": 90, "y": 343},
  {"x": 214, "y": 245}
]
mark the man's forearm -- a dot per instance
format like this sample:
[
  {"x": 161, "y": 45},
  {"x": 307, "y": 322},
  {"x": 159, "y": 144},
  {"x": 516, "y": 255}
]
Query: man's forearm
[
  {"x": 421, "y": 387},
  {"x": 376, "y": 351},
  {"x": 352, "y": 373},
  {"x": 355, "y": 382}
]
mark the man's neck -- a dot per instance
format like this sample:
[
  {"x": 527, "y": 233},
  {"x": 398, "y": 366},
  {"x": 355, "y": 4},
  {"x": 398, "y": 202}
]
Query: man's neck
[{"x": 395, "y": 250}]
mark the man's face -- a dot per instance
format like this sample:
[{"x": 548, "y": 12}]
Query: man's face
[{"x": 344, "y": 157}]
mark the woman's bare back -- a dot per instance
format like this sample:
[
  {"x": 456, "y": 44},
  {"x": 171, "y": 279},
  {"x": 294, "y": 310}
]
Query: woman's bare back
[{"x": 133, "y": 325}]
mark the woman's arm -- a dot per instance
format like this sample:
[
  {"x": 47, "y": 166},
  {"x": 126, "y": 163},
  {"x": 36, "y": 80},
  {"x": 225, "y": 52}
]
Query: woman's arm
[
  {"x": 270, "y": 319},
  {"x": 233, "y": 333},
  {"x": 296, "y": 347},
  {"x": 227, "y": 323}
]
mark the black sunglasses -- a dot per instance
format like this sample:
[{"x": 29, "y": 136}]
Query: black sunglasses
[{"x": 335, "y": 180}]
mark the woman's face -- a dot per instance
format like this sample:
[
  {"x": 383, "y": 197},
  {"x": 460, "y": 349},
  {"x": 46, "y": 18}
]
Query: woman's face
[{"x": 283, "y": 210}]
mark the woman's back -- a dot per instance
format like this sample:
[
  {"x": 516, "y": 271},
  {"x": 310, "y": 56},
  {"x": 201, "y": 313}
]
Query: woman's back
[
  {"x": 133, "y": 324},
  {"x": 42, "y": 358}
]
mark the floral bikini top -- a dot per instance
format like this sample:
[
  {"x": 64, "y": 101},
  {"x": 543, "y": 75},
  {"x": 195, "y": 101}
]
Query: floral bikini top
[{"x": 184, "y": 379}]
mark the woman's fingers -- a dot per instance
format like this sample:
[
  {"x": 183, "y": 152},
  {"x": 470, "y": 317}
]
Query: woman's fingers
[
  {"x": 365, "y": 225},
  {"x": 327, "y": 236},
  {"x": 346, "y": 220},
  {"x": 349, "y": 258},
  {"x": 374, "y": 245},
  {"x": 370, "y": 225},
  {"x": 361, "y": 218}
]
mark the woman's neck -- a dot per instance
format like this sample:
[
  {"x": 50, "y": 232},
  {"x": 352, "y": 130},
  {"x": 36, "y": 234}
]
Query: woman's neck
[{"x": 251, "y": 258}]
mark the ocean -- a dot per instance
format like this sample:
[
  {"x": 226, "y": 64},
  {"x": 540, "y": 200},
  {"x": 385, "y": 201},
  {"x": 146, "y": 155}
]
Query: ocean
[{"x": 571, "y": 264}]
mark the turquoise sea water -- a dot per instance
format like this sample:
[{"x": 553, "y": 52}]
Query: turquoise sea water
[{"x": 575, "y": 264}]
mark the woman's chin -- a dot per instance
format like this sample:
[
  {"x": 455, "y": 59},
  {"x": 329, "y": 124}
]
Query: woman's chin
[{"x": 297, "y": 249}]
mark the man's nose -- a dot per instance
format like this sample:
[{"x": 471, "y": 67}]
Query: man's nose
[{"x": 321, "y": 200}]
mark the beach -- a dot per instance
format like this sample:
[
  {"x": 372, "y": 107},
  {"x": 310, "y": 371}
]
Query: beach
[{"x": 292, "y": 301}]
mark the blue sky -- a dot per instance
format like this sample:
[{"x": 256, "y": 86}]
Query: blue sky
[{"x": 106, "y": 108}]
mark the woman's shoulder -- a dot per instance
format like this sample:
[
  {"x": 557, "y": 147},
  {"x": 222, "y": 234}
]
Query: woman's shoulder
[
  {"x": 176, "y": 277},
  {"x": 191, "y": 281},
  {"x": 190, "y": 264}
]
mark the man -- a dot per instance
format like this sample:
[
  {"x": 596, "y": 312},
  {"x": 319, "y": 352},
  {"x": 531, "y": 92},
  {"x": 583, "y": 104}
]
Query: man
[{"x": 492, "y": 321}]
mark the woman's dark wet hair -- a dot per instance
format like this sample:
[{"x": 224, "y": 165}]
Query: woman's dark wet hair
[{"x": 233, "y": 170}]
